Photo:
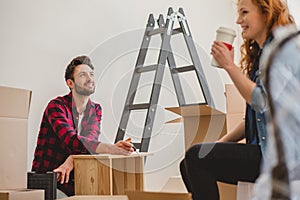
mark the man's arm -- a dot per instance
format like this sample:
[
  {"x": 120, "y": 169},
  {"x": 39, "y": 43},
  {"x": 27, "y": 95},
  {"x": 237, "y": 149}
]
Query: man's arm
[
  {"x": 63, "y": 171},
  {"x": 119, "y": 148}
]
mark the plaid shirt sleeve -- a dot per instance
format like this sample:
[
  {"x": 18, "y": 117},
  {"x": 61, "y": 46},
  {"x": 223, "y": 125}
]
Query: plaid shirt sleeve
[{"x": 62, "y": 122}]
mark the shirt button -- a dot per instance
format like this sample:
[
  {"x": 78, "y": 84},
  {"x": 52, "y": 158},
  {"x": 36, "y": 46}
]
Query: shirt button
[
  {"x": 263, "y": 138},
  {"x": 258, "y": 119}
]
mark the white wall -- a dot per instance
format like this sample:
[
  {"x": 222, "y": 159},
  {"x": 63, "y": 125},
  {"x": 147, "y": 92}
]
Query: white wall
[
  {"x": 294, "y": 6},
  {"x": 39, "y": 38}
]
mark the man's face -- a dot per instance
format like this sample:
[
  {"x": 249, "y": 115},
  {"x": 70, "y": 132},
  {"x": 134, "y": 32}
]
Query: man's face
[{"x": 84, "y": 83}]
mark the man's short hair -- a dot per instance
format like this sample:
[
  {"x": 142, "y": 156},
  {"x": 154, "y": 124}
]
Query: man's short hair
[{"x": 79, "y": 60}]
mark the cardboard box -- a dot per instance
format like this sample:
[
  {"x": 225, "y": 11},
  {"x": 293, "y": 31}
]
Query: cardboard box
[
  {"x": 14, "y": 110},
  {"x": 21, "y": 194},
  {"x": 146, "y": 195},
  {"x": 227, "y": 191},
  {"x": 175, "y": 184},
  {"x": 97, "y": 197},
  {"x": 244, "y": 190},
  {"x": 205, "y": 124}
]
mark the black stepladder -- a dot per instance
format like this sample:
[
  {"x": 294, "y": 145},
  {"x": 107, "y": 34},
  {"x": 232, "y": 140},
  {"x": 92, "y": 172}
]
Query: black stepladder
[{"x": 166, "y": 31}]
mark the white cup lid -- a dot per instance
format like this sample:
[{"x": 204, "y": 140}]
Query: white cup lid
[{"x": 227, "y": 30}]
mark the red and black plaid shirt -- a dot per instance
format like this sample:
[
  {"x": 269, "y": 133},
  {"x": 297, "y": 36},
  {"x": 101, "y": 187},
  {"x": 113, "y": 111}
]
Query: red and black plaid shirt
[{"x": 58, "y": 136}]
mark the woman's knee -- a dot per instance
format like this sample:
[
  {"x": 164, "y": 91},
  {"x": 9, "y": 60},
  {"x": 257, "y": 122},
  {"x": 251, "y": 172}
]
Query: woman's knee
[{"x": 193, "y": 152}]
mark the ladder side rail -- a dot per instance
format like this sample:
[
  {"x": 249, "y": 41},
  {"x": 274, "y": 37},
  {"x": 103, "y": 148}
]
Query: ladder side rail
[
  {"x": 195, "y": 59},
  {"x": 135, "y": 80},
  {"x": 172, "y": 65},
  {"x": 163, "y": 54}
]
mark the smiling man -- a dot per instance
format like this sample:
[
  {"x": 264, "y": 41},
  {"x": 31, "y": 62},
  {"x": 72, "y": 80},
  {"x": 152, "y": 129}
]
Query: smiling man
[{"x": 70, "y": 126}]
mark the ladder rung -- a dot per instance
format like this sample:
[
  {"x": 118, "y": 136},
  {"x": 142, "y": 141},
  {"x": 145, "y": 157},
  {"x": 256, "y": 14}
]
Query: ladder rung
[
  {"x": 183, "y": 69},
  {"x": 193, "y": 104},
  {"x": 146, "y": 68},
  {"x": 177, "y": 31},
  {"x": 156, "y": 31},
  {"x": 139, "y": 106},
  {"x": 137, "y": 145}
]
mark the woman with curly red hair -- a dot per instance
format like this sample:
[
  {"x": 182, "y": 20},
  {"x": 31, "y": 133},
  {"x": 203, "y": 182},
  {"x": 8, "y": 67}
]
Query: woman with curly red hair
[{"x": 229, "y": 161}]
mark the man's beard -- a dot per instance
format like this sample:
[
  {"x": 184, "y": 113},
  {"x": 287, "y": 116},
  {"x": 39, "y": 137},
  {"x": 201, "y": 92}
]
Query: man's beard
[{"x": 83, "y": 91}]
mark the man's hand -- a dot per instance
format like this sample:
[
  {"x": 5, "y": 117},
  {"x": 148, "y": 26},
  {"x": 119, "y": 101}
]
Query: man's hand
[
  {"x": 64, "y": 170},
  {"x": 120, "y": 148}
]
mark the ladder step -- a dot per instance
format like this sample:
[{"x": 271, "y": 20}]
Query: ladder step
[
  {"x": 146, "y": 68},
  {"x": 183, "y": 69},
  {"x": 137, "y": 145},
  {"x": 193, "y": 104},
  {"x": 156, "y": 31},
  {"x": 162, "y": 30},
  {"x": 139, "y": 106},
  {"x": 177, "y": 31}
]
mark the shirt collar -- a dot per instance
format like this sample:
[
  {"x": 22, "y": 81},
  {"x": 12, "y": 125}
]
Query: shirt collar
[{"x": 72, "y": 104}]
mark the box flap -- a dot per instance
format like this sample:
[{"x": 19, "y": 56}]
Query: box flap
[
  {"x": 195, "y": 110},
  {"x": 235, "y": 103},
  {"x": 15, "y": 103},
  {"x": 177, "y": 120}
]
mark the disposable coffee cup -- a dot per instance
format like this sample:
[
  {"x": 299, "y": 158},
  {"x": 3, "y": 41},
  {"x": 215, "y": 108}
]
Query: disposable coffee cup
[{"x": 225, "y": 35}]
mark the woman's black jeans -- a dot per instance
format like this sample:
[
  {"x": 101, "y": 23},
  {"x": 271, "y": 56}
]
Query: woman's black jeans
[{"x": 205, "y": 164}]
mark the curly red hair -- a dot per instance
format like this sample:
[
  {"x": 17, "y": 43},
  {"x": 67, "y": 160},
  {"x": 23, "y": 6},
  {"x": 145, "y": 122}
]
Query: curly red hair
[{"x": 277, "y": 14}]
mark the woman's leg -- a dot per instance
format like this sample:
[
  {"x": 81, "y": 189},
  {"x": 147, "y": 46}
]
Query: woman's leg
[
  {"x": 207, "y": 163},
  {"x": 185, "y": 176}
]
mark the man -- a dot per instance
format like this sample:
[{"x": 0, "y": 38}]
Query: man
[{"x": 71, "y": 125}]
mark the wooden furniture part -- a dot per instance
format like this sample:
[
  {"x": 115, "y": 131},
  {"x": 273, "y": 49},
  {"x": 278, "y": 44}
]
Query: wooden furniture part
[{"x": 106, "y": 174}]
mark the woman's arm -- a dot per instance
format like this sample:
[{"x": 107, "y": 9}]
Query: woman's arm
[
  {"x": 225, "y": 58},
  {"x": 236, "y": 135}
]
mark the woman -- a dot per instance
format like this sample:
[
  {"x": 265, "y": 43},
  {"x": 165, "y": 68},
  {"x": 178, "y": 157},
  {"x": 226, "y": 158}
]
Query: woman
[{"x": 229, "y": 161}]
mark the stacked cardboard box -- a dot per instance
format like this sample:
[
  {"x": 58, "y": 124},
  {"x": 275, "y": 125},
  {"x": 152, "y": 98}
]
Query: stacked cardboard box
[
  {"x": 21, "y": 194},
  {"x": 14, "y": 110},
  {"x": 205, "y": 124}
]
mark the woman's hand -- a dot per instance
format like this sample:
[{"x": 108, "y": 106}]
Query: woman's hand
[
  {"x": 223, "y": 55},
  {"x": 64, "y": 170}
]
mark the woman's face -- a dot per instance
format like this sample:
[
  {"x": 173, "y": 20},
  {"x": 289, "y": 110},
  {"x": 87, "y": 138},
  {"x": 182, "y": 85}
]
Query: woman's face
[{"x": 252, "y": 22}]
